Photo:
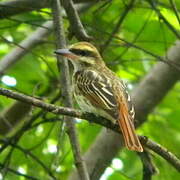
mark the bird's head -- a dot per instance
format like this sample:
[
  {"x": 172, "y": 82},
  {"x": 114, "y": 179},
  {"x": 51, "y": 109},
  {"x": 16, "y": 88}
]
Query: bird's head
[{"x": 81, "y": 54}]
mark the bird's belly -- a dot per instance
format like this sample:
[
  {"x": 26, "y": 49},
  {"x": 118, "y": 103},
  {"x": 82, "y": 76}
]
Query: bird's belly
[{"x": 86, "y": 106}]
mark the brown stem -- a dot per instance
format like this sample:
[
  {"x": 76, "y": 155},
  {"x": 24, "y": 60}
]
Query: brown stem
[
  {"x": 112, "y": 136},
  {"x": 66, "y": 90},
  {"x": 76, "y": 24}
]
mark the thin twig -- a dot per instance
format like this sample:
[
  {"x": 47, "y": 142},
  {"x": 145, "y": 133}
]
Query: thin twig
[
  {"x": 149, "y": 168},
  {"x": 15, "y": 138},
  {"x": 66, "y": 90},
  {"x": 162, "y": 151},
  {"x": 153, "y": 5},
  {"x": 43, "y": 139},
  {"x": 117, "y": 27},
  {"x": 27, "y": 152},
  {"x": 6, "y": 162},
  {"x": 135, "y": 38},
  {"x": 159, "y": 58},
  {"x": 75, "y": 22},
  {"x": 17, "y": 172},
  {"x": 175, "y": 10},
  {"x": 13, "y": 7}
]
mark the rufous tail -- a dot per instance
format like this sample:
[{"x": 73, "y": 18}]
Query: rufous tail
[{"x": 128, "y": 130}]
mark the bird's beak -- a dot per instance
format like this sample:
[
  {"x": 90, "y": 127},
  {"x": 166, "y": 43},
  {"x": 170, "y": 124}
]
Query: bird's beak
[{"x": 66, "y": 53}]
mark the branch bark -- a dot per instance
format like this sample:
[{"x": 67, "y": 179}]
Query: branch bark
[
  {"x": 112, "y": 136},
  {"x": 14, "y": 7},
  {"x": 171, "y": 158},
  {"x": 149, "y": 168},
  {"x": 66, "y": 90},
  {"x": 75, "y": 22}
]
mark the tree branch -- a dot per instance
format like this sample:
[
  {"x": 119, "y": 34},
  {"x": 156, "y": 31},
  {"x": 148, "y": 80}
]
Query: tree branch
[
  {"x": 92, "y": 118},
  {"x": 66, "y": 90},
  {"x": 75, "y": 22},
  {"x": 173, "y": 5},
  {"x": 17, "y": 173},
  {"x": 36, "y": 159},
  {"x": 168, "y": 156},
  {"x": 149, "y": 168},
  {"x": 38, "y": 103},
  {"x": 14, "y": 7},
  {"x": 152, "y": 3}
]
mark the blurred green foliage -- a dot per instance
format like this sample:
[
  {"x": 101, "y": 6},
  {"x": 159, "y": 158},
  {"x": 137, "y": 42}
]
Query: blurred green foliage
[{"x": 36, "y": 74}]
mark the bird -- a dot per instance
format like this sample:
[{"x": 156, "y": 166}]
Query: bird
[{"x": 98, "y": 90}]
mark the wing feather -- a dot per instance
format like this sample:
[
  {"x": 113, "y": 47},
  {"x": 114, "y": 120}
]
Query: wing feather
[
  {"x": 97, "y": 89},
  {"x": 114, "y": 100}
]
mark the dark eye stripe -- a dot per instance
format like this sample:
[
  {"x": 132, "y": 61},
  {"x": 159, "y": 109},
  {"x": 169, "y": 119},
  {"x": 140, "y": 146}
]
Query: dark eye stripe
[{"x": 82, "y": 52}]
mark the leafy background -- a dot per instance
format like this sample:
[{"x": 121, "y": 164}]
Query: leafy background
[{"x": 36, "y": 74}]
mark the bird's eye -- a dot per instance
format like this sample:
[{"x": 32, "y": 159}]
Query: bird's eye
[
  {"x": 84, "y": 53},
  {"x": 81, "y": 52}
]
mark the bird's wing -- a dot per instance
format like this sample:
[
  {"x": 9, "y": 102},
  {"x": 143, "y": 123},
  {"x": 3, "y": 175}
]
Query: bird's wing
[
  {"x": 113, "y": 99},
  {"x": 97, "y": 89}
]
